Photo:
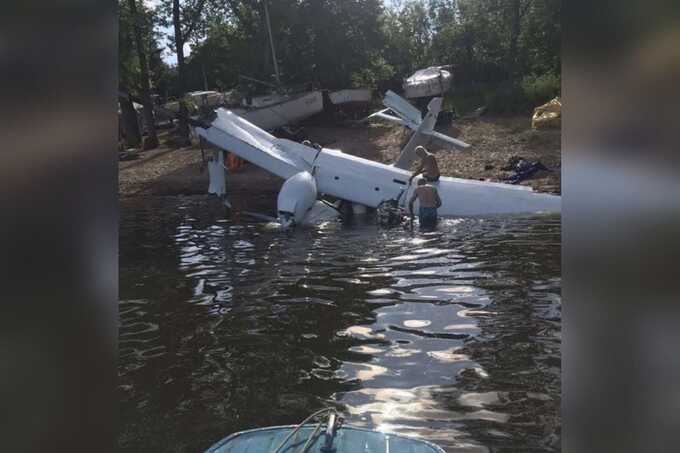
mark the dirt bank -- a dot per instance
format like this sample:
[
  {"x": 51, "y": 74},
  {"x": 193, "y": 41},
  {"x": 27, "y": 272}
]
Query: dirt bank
[{"x": 495, "y": 140}]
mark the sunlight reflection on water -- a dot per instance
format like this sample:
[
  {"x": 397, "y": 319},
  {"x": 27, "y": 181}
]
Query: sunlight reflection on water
[{"x": 453, "y": 336}]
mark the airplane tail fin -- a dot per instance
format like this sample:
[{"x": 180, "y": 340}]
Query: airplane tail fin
[
  {"x": 433, "y": 109},
  {"x": 421, "y": 136},
  {"x": 424, "y": 133},
  {"x": 408, "y": 155}
]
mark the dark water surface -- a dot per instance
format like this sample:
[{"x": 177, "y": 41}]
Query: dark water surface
[{"x": 453, "y": 336}]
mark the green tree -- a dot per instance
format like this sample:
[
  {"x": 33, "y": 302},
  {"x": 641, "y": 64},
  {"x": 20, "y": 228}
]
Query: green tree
[
  {"x": 505, "y": 46},
  {"x": 320, "y": 41},
  {"x": 138, "y": 47},
  {"x": 408, "y": 33},
  {"x": 510, "y": 47},
  {"x": 128, "y": 76},
  {"x": 139, "y": 24},
  {"x": 188, "y": 19}
]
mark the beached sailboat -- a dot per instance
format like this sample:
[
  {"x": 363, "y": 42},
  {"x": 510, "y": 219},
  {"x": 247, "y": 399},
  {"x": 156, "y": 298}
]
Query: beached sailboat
[
  {"x": 279, "y": 108},
  {"x": 432, "y": 81},
  {"x": 329, "y": 435},
  {"x": 199, "y": 99},
  {"x": 350, "y": 96},
  {"x": 267, "y": 112}
]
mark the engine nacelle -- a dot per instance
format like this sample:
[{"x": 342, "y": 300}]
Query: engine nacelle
[{"x": 296, "y": 197}]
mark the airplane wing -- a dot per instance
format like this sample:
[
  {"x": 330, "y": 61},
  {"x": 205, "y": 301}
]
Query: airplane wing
[{"x": 232, "y": 133}]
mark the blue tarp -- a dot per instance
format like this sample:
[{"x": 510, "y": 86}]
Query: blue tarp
[{"x": 525, "y": 169}]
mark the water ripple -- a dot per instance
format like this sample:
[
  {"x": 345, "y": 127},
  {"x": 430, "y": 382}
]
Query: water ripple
[{"x": 453, "y": 336}]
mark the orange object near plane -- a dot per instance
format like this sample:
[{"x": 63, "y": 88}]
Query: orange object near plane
[{"x": 233, "y": 162}]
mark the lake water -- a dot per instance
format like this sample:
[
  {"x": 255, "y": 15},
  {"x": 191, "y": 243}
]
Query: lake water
[{"x": 225, "y": 325}]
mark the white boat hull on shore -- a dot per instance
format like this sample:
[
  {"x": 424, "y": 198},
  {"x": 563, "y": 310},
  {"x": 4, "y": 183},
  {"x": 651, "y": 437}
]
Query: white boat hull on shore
[
  {"x": 288, "y": 111},
  {"x": 266, "y": 100},
  {"x": 199, "y": 98},
  {"x": 350, "y": 96}
]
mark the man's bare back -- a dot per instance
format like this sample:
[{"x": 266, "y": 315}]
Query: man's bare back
[
  {"x": 427, "y": 196},
  {"x": 429, "y": 200}
]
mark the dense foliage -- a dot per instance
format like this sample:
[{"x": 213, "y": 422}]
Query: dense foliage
[{"x": 504, "y": 53}]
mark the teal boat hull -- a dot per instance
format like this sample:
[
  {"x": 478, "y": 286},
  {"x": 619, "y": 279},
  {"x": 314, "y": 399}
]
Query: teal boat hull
[{"x": 347, "y": 439}]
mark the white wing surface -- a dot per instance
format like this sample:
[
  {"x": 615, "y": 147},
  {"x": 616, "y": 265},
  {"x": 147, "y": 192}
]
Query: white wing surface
[
  {"x": 281, "y": 157},
  {"x": 403, "y": 108}
]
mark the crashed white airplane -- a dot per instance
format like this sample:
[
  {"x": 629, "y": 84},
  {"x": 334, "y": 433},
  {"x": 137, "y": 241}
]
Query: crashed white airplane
[{"x": 311, "y": 173}]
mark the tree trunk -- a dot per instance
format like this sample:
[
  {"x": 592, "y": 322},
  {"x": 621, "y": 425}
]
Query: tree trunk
[
  {"x": 130, "y": 125},
  {"x": 205, "y": 77},
  {"x": 515, "y": 19},
  {"x": 152, "y": 139},
  {"x": 179, "y": 46}
]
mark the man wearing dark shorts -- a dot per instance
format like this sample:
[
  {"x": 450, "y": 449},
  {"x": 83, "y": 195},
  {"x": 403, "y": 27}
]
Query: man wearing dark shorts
[
  {"x": 428, "y": 198},
  {"x": 428, "y": 166}
]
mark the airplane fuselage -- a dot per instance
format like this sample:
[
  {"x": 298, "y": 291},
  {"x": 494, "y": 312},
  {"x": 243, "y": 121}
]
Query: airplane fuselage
[
  {"x": 369, "y": 183},
  {"x": 311, "y": 173}
]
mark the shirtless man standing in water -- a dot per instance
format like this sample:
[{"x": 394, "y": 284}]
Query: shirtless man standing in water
[
  {"x": 428, "y": 166},
  {"x": 429, "y": 200}
]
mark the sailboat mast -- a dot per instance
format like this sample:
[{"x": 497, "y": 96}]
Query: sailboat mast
[{"x": 271, "y": 43}]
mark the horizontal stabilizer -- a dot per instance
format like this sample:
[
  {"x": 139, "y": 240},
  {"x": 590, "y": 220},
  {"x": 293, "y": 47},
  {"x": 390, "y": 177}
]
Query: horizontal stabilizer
[
  {"x": 385, "y": 116},
  {"x": 445, "y": 140},
  {"x": 377, "y": 113},
  {"x": 402, "y": 108}
]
